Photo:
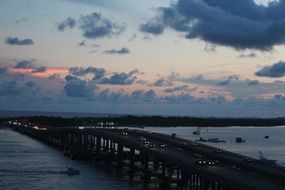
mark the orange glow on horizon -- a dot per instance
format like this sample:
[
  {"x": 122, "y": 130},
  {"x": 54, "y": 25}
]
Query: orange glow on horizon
[{"x": 49, "y": 71}]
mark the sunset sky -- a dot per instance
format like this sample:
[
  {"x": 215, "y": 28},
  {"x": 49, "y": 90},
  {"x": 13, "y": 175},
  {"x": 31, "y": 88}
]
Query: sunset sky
[{"x": 222, "y": 58}]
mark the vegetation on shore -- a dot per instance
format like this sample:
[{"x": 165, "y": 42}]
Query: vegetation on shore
[{"x": 140, "y": 121}]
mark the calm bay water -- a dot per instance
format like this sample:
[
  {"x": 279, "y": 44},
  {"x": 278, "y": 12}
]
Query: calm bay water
[
  {"x": 28, "y": 164},
  {"x": 272, "y": 148}
]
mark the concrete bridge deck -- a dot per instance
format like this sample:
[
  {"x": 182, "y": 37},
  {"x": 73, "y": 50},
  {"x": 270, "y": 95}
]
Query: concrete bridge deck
[{"x": 179, "y": 155}]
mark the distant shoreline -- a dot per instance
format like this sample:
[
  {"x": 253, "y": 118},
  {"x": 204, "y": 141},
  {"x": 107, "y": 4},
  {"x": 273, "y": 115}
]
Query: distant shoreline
[{"x": 150, "y": 121}]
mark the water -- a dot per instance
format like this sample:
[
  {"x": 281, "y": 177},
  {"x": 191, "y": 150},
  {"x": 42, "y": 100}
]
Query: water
[
  {"x": 272, "y": 148},
  {"x": 28, "y": 164}
]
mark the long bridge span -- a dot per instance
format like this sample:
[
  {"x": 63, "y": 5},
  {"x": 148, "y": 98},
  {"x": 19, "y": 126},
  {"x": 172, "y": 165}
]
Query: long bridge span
[{"x": 172, "y": 162}]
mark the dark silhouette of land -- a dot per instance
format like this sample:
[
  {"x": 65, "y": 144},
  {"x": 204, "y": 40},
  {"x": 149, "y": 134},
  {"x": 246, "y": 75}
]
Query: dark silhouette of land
[{"x": 141, "y": 121}]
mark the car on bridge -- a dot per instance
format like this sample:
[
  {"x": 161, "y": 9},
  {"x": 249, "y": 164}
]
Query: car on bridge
[
  {"x": 218, "y": 150},
  {"x": 205, "y": 162},
  {"x": 151, "y": 146},
  {"x": 124, "y": 133},
  {"x": 248, "y": 160},
  {"x": 162, "y": 145}
]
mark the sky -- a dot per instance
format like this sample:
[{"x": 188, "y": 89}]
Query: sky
[{"x": 209, "y": 58}]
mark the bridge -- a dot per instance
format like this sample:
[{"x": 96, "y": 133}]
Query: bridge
[{"x": 170, "y": 161}]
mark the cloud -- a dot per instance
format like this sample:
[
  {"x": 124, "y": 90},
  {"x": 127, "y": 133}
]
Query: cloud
[
  {"x": 162, "y": 82},
  {"x": 3, "y": 70},
  {"x": 29, "y": 65},
  {"x": 143, "y": 96},
  {"x": 84, "y": 44},
  {"x": 54, "y": 76},
  {"x": 13, "y": 88},
  {"x": 10, "y": 88},
  {"x": 177, "y": 88},
  {"x": 121, "y": 51},
  {"x": 68, "y": 23},
  {"x": 248, "y": 55},
  {"x": 229, "y": 79},
  {"x": 41, "y": 69},
  {"x": 239, "y": 24},
  {"x": 274, "y": 71},
  {"x": 19, "y": 42},
  {"x": 99, "y": 73},
  {"x": 152, "y": 27},
  {"x": 76, "y": 87},
  {"x": 24, "y": 65},
  {"x": 252, "y": 82},
  {"x": 33, "y": 87},
  {"x": 95, "y": 26},
  {"x": 210, "y": 48},
  {"x": 121, "y": 78}
]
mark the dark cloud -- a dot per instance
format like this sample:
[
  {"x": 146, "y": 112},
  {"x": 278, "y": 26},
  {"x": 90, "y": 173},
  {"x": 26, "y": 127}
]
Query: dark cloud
[
  {"x": 137, "y": 96},
  {"x": 162, "y": 82},
  {"x": 10, "y": 88},
  {"x": 143, "y": 96},
  {"x": 121, "y": 51},
  {"x": 24, "y": 65},
  {"x": 76, "y": 87},
  {"x": 99, "y": 73},
  {"x": 239, "y": 24},
  {"x": 19, "y": 42},
  {"x": 228, "y": 80},
  {"x": 54, "y": 76},
  {"x": 68, "y": 23},
  {"x": 41, "y": 69},
  {"x": 121, "y": 78},
  {"x": 274, "y": 71},
  {"x": 152, "y": 27},
  {"x": 14, "y": 88},
  {"x": 95, "y": 25},
  {"x": 29, "y": 65},
  {"x": 32, "y": 87}
]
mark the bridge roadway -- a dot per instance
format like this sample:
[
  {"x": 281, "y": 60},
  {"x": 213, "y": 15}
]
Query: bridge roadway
[
  {"x": 183, "y": 154},
  {"x": 275, "y": 172},
  {"x": 185, "y": 158}
]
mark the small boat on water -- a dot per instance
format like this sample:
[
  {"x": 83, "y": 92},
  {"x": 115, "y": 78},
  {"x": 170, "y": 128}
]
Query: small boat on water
[
  {"x": 70, "y": 171},
  {"x": 197, "y": 132},
  {"x": 264, "y": 159}
]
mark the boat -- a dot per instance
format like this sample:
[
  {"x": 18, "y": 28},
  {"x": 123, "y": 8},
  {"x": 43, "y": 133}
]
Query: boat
[
  {"x": 264, "y": 159},
  {"x": 240, "y": 140},
  {"x": 70, "y": 171},
  {"x": 197, "y": 132}
]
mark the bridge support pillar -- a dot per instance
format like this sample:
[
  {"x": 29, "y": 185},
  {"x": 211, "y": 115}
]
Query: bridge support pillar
[
  {"x": 120, "y": 157},
  {"x": 98, "y": 148},
  {"x": 205, "y": 184},
  {"x": 132, "y": 163},
  {"x": 146, "y": 173}
]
